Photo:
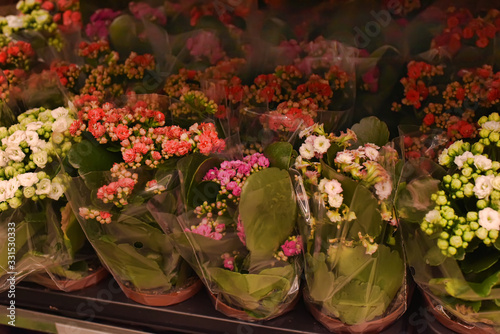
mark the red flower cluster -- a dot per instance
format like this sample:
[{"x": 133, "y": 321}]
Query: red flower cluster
[
  {"x": 66, "y": 13},
  {"x": 141, "y": 133},
  {"x": 289, "y": 116},
  {"x": 16, "y": 55},
  {"x": 94, "y": 50},
  {"x": 463, "y": 28},
  {"x": 118, "y": 191},
  {"x": 418, "y": 84},
  {"x": 68, "y": 73}
]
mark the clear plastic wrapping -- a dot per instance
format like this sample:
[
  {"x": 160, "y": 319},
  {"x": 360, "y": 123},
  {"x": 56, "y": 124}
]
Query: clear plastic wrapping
[
  {"x": 130, "y": 243},
  {"x": 238, "y": 253},
  {"x": 449, "y": 222},
  {"x": 355, "y": 267},
  {"x": 32, "y": 241}
]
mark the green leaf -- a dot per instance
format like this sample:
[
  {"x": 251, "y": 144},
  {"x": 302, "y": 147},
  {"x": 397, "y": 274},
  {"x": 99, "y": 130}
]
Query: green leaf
[
  {"x": 482, "y": 259},
  {"x": 368, "y": 218},
  {"x": 413, "y": 200},
  {"x": 462, "y": 289},
  {"x": 127, "y": 265},
  {"x": 371, "y": 130},
  {"x": 260, "y": 293},
  {"x": 279, "y": 154},
  {"x": 75, "y": 271},
  {"x": 358, "y": 302},
  {"x": 73, "y": 235},
  {"x": 360, "y": 286},
  {"x": 89, "y": 156},
  {"x": 331, "y": 154},
  {"x": 268, "y": 211},
  {"x": 322, "y": 280},
  {"x": 206, "y": 248},
  {"x": 193, "y": 168}
]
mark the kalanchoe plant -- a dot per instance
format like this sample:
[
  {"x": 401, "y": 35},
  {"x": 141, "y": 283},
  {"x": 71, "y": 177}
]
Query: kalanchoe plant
[
  {"x": 452, "y": 226},
  {"x": 32, "y": 199},
  {"x": 34, "y": 23},
  {"x": 113, "y": 213},
  {"x": 237, "y": 229},
  {"x": 355, "y": 270},
  {"x": 448, "y": 109}
]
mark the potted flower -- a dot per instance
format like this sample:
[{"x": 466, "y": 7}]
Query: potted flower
[
  {"x": 451, "y": 224},
  {"x": 235, "y": 225},
  {"x": 354, "y": 262},
  {"x": 142, "y": 151}
]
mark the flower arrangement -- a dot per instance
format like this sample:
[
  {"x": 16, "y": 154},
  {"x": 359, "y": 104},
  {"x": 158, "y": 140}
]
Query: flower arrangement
[
  {"x": 142, "y": 151},
  {"x": 355, "y": 270},
  {"x": 451, "y": 228},
  {"x": 229, "y": 243},
  {"x": 33, "y": 21},
  {"x": 449, "y": 109},
  {"x": 463, "y": 29},
  {"x": 32, "y": 197}
]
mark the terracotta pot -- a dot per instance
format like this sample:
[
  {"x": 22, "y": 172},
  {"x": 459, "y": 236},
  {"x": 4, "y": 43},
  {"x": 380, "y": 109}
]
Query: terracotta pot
[
  {"x": 69, "y": 285},
  {"x": 242, "y": 315},
  {"x": 163, "y": 299},
  {"x": 451, "y": 322},
  {"x": 373, "y": 326}
]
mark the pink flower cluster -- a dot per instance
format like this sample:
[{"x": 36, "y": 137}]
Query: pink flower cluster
[
  {"x": 100, "y": 22},
  {"x": 206, "y": 45},
  {"x": 291, "y": 247},
  {"x": 228, "y": 261},
  {"x": 231, "y": 176},
  {"x": 142, "y": 135},
  {"x": 208, "y": 228},
  {"x": 142, "y": 10}
]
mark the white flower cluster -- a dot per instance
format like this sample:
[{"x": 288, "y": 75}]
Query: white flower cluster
[
  {"x": 32, "y": 18},
  {"x": 28, "y": 147},
  {"x": 314, "y": 146},
  {"x": 29, "y": 185}
]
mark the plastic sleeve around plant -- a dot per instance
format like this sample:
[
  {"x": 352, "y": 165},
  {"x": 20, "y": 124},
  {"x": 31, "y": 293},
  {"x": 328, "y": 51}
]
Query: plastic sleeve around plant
[
  {"x": 263, "y": 287},
  {"x": 449, "y": 287},
  {"x": 132, "y": 246},
  {"x": 355, "y": 269},
  {"x": 38, "y": 240}
]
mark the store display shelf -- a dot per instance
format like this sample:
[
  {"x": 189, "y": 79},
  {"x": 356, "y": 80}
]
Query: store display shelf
[{"x": 104, "y": 308}]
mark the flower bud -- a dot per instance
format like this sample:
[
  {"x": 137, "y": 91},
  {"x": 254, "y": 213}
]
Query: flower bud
[
  {"x": 482, "y": 233},
  {"x": 468, "y": 189},
  {"x": 483, "y": 133},
  {"x": 441, "y": 200},
  {"x": 482, "y": 120},
  {"x": 468, "y": 236},
  {"x": 481, "y": 204},
  {"x": 456, "y": 241},
  {"x": 4, "y": 206},
  {"x": 456, "y": 184},
  {"x": 442, "y": 244},
  {"x": 14, "y": 202},
  {"x": 9, "y": 172},
  {"x": 29, "y": 192},
  {"x": 452, "y": 251},
  {"x": 494, "y": 137},
  {"x": 477, "y": 148},
  {"x": 472, "y": 216}
]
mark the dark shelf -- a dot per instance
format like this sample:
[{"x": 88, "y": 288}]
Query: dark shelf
[{"x": 106, "y": 304}]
